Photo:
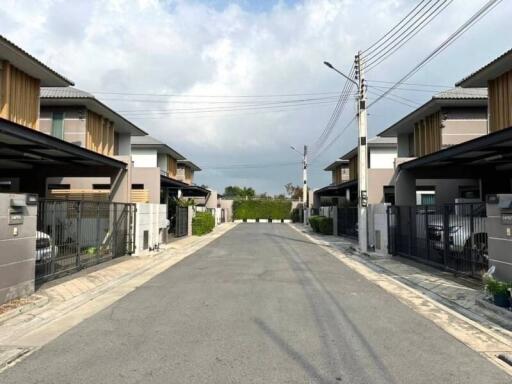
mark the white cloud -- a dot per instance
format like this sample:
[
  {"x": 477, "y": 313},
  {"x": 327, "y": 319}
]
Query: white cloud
[{"x": 216, "y": 49}]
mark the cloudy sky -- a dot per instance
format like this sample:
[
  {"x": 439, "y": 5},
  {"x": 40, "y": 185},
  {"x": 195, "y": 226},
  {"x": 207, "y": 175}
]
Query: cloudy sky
[{"x": 232, "y": 84}]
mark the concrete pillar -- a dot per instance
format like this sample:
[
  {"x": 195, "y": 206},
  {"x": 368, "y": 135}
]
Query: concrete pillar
[
  {"x": 405, "y": 188},
  {"x": 335, "y": 221},
  {"x": 190, "y": 217},
  {"x": 499, "y": 234},
  {"x": 347, "y": 194}
]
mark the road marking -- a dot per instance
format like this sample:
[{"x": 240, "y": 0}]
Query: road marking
[{"x": 480, "y": 339}]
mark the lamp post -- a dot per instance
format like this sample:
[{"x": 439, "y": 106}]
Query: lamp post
[
  {"x": 362, "y": 151},
  {"x": 305, "y": 180}
]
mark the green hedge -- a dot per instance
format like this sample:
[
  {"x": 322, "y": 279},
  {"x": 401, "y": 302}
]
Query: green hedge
[
  {"x": 261, "y": 209},
  {"x": 202, "y": 223},
  {"x": 321, "y": 224}
]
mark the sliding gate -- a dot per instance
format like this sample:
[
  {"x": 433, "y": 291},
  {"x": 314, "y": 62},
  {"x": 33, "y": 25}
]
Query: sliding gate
[
  {"x": 347, "y": 222},
  {"x": 451, "y": 236},
  {"x": 72, "y": 235}
]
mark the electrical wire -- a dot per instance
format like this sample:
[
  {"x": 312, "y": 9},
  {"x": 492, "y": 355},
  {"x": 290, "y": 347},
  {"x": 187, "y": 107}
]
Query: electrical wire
[{"x": 447, "y": 42}]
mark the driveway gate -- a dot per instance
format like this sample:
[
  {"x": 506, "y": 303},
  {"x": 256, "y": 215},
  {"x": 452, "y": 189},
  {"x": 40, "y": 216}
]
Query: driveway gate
[
  {"x": 347, "y": 222},
  {"x": 181, "y": 221},
  {"x": 72, "y": 235},
  {"x": 452, "y": 236}
]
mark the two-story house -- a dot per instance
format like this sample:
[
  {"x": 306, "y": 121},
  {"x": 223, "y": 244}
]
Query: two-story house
[
  {"x": 186, "y": 170},
  {"x": 382, "y": 153},
  {"x": 449, "y": 118},
  {"x": 77, "y": 117}
]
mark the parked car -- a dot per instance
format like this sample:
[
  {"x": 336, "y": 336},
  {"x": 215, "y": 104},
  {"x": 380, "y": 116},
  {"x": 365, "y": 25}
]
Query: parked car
[{"x": 44, "y": 246}]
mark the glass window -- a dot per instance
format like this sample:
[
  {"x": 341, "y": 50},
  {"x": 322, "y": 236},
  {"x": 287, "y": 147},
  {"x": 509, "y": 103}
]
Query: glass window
[{"x": 58, "y": 125}]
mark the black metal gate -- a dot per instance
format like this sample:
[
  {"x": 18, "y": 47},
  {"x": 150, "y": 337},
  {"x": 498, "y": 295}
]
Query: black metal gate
[
  {"x": 347, "y": 222},
  {"x": 72, "y": 235},
  {"x": 181, "y": 228},
  {"x": 452, "y": 236}
]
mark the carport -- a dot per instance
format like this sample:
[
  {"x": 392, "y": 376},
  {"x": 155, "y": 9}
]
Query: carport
[
  {"x": 331, "y": 193},
  {"x": 452, "y": 235}
]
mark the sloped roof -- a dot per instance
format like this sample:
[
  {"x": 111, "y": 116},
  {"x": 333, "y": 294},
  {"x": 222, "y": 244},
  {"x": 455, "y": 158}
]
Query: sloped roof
[
  {"x": 335, "y": 164},
  {"x": 150, "y": 142},
  {"x": 495, "y": 68},
  {"x": 71, "y": 96},
  {"x": 189, "y": 164},
  {"x": 455, "y": 97},
  {"x": 24, "y": 61},
  {"x": 374, "y": 142}
]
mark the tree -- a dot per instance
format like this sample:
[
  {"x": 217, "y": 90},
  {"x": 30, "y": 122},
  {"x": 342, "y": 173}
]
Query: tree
[
  {"x": 240, "y": 192},
  {"x": 294, "y": 191}
]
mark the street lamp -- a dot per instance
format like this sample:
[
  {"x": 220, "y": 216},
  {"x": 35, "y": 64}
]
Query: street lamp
[
  {"x": 305, "y": 179},
  {"x": 362, "y": 154}
]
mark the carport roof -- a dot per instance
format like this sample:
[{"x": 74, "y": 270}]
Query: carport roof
[
  {"x": 23, "y": 148},
  {"x": 492, "y": 151},
  {"x": 333, "y": 190},
  {"x": 455, "y": 97}
]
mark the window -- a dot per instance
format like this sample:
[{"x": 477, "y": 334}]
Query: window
[
  {"x": 59, "y": 186},
  {"x": 58, "y": 125},
  {"x": 101, "y": 186},
  {"x": 137, "y": 186}
]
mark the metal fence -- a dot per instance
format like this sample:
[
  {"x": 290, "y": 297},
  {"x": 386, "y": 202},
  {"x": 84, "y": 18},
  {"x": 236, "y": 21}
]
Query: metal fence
[
  {"x": 347, "y": 222},
  {"x": 451, "y": 236},
  {"x": 72, "y": 235},
  {"x": 181, "y": 228}
]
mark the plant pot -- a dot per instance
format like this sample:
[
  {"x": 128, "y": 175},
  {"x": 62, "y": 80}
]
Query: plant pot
[{"x": 502, "y": 300}]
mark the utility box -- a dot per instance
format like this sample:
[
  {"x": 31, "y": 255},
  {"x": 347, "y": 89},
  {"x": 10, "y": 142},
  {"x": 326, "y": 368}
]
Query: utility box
[
  {"x": 18, "y": 223},
  {"x": 499, "y": 234}
]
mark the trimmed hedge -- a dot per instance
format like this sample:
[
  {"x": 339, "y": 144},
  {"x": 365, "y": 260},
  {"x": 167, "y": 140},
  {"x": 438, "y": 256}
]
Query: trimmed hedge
[
  {"x": 261, "y": 209},
  {"x": 321, "y": 224},
  {"x": 202, "y": 223}
]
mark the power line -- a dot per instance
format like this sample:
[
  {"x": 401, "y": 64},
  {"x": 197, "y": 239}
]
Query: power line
[
  {"x": 454, "y": 36},
  {"x": 335, "y": 138},
  {"x": 414, "y": 84},
  {"x": 187, "y": 95}
]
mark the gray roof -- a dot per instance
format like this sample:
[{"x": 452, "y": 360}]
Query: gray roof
[
  {"x": 455, "y": 97},
  {"x": 492, "y": 70},
  {"x": 70, "y": 96},
  {"x": 189, "y": 164},
  {"x": 24, "y": 61},
  {"x": 374, "y": 142},
  {"x": 335, "y": 164},
  {"x": 150, "y": 142}
]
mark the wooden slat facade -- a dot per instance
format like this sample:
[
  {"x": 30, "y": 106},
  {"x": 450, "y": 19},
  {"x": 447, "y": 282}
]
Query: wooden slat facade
[
  {"x": 172, "y": 166},
  {"x": 500, "y": 102},
  {"x": 80, "y": 194},
  {"x": 19, "y": 96},
  {"x": 353, "y": 168},
  {"x": 99, "y": 135},
  {"x": 427, "y": 135},
  {"x": 140, "y": 196}
]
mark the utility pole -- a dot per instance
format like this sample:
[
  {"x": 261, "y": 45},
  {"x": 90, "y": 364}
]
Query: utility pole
[
  {"x": 305, "y": 186},
  {"x": 362, "y": 155}
]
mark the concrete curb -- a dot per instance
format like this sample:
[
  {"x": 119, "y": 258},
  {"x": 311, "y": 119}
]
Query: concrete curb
[
  {"x": 503, "y": 314},
  {"x": 40, "y": 302}
]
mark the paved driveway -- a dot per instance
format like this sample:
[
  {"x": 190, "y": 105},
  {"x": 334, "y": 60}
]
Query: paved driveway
[{"x": 260, "y": 305}]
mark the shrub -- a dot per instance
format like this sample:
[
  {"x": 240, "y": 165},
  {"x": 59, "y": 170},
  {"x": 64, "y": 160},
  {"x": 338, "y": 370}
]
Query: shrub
[
  {"x": 261, "y": 209},
  {"x": 295, "y": 215},
  {"x": 321, "y": 224},
  {"x": 496, "y": 287},
  {"x": 202, "y": 223}
]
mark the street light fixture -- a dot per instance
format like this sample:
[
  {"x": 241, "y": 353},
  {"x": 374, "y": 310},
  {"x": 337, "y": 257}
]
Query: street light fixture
[{"x": 362, "y": 185}]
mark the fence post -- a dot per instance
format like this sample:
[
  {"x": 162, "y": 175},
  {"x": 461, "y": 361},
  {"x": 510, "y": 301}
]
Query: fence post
[
  {"x": 98, "y": 243},
  {"x": 410, "y": 230},
  {"x": 113, "y": 240},
  {"x": 78, "y": 234},
  {"x": 54, "y": 236},
  {"x": 446, "y": 233},
  {"x": 427, "y": 240},
  {"x": 471, "y": 234}
]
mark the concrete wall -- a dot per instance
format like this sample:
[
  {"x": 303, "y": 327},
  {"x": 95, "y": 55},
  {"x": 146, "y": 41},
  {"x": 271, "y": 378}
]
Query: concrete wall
[
  {"x": 74, "y": 123},
  {"x": 161, "y": 161},
  {"x": 499, "y": 239},
  {"x": 377, "y": 179},
  {"x": 457, "y": 131},
  {"x": 17, "y": 250},
  {"x": 378, "y": 228},
  {"x": 152, "y": 220},
  {"x": 150, "y": 178},
  {"x": 227, "y": 205},
  {"x": 382, "y": 158},
  {"x": 145, "y": 158}
]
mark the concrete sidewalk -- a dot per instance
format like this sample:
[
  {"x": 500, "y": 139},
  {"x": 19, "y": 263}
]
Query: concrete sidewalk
[
  {"x": 463, "y": 295},
  {"x": 63, "y": 303}
]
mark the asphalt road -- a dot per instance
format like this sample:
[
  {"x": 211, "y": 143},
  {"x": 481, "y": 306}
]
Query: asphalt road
[{"x": 259, "y": 305}]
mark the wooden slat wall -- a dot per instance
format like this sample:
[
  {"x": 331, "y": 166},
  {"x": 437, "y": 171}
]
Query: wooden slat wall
[
  {"x": 188, "y": 175},
  {"x": 353, "y": 168},
  {"x": 500, "y": 102},
  {"x": 427, "y": 135},
  {"x": 99, "y": 134},
  {"x": 172, "y": 166},
  {"x": 140, "y": 196},
  {"x": 80, "y": 194},
  {"x": 19, "y": 96}
]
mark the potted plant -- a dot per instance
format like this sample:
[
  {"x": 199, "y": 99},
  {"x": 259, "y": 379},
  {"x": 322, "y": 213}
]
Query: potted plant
[{"x": 499, "y": 290}]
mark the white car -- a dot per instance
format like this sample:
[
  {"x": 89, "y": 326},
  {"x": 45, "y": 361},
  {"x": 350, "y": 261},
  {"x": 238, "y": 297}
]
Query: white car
[{"x": 44, "y": 246}]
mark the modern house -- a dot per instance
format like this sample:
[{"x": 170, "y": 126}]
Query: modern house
[
  {"x": 77, "y": 117},
  {"x": 382, "y": 153},
  {"x": 186, "y": 170},
  {"x": 449, "y": 118}
]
